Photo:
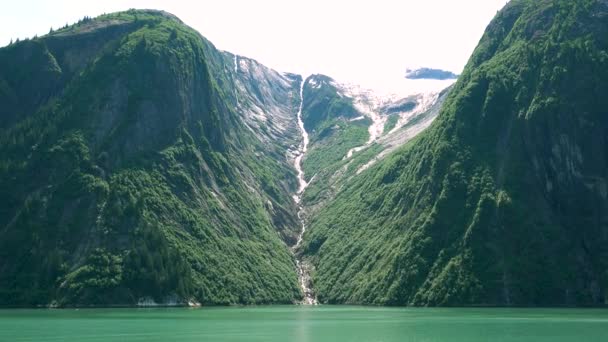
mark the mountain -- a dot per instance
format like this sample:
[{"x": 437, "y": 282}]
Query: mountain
[
  {"x": 503, "y": 200},
  {"x": 140, "y": 164},
  {"x": 431, "y": 74},
  {"x": 350, "y": 128},
  {"x": 346, "y": 129}
]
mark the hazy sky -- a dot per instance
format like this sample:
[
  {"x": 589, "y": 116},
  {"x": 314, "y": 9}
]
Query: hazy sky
[{"x": 364, "y": 41}]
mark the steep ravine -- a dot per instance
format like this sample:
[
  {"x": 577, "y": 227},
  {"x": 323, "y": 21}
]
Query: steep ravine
[{"x": 302, "y": 267}]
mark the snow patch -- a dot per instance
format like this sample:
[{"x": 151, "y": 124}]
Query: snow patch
[
  {"x": 427, "y": 104},
  {"x": 367, "y": 103},
  {"x": 312, "y": 82},
  {"x": 424, "y": 102}
]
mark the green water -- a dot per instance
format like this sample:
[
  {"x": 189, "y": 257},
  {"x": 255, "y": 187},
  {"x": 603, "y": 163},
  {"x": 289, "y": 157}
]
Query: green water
[{"x": 298, "y": 324}]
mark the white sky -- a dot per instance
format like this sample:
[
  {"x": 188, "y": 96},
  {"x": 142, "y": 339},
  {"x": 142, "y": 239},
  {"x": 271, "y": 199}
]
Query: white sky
[{"x": 366, "y": 41}]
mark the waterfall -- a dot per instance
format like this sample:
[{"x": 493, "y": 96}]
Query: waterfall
[{"x": 302, "y": 267}]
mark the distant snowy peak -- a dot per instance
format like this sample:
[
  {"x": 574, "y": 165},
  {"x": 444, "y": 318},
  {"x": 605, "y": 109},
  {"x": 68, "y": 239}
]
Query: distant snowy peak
[{"x": 429, "y": 74}]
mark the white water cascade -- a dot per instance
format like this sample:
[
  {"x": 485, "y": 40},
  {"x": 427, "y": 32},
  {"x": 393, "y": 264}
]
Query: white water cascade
[{"x": 302, "y": 267}]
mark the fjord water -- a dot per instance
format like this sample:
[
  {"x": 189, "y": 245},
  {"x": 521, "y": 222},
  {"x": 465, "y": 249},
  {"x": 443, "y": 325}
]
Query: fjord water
[{"x": 305, "y": 323}]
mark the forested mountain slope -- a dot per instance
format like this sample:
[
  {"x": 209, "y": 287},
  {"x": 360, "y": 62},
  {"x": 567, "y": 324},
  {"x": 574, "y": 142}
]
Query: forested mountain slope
[
  {"x": 351, "y": 128},
  {"x": 137, "y": 162},
  {"x": 140, "y": 164},
  {"x": 504, "y": 199}
]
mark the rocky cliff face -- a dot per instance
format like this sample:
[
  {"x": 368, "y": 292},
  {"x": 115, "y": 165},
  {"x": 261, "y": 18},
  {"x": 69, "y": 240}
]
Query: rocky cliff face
[{"x": 502, "y": 200}]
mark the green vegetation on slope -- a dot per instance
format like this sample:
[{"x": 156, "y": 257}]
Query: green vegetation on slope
[
  {"x": 327, "y": 118},
  {"x": 503, "y": 200},
  {"x": 126, "y": 173}
]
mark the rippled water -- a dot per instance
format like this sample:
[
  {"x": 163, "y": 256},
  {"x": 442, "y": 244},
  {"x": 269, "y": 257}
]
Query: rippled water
[{"x": 304, "y": 323}]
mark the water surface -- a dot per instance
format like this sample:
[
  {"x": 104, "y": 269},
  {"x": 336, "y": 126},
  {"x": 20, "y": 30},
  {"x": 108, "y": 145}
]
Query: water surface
[{"x": 305, "y": 323}]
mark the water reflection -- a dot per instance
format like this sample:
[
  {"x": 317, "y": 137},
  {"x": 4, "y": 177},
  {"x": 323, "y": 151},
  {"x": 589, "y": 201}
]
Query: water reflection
[{"x": 305, "y": 324}]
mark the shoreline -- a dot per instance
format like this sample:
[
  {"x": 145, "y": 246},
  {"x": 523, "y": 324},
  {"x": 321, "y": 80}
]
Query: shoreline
[{"x": 209, "y": 306}]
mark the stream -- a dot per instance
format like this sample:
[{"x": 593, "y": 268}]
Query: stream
[{"x": 302, "y": 267}]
